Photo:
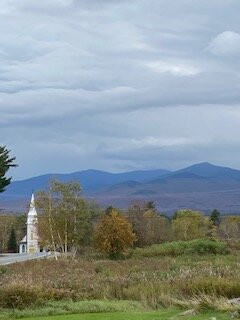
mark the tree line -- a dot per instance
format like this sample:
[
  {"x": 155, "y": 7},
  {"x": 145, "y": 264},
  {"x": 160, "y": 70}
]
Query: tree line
[{"x": 68, "y": 223}]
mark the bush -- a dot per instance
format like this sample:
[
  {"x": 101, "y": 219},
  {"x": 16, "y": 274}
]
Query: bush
[
  {"x": 199, "y": 246},
  {"x": 206, "y": 246},
  {"x": 20, "y": 296}
]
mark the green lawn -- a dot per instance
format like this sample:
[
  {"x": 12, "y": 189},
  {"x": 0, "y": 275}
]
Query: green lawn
[
  {"x": 165, "y": 314},
  {"x": 106, "y": 310}
]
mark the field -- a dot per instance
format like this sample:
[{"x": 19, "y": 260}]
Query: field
[
  {"x": 147, "y": 280},
  {"x": 157, "y": 281}
]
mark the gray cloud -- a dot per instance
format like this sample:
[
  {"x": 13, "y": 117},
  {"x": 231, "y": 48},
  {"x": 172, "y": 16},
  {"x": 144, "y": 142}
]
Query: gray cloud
[
  {"x": 226, "y": 43},
  {"x": 119, "y": 85}
]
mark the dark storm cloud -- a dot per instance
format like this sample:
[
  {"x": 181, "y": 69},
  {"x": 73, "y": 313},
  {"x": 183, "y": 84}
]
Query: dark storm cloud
[{"x": 118, "y": 85}]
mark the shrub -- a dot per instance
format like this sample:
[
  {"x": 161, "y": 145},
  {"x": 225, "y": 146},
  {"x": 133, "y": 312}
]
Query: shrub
[
  {"x": 20, "y": 296},
  {"x": 207, "y": 246},
  {"x": 199, "y": 246}
]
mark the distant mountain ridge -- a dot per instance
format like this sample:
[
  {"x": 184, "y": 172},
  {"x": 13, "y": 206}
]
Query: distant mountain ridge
[
  {"x": 203, "y": 177},
  {"x": 90, "y": 180},
  {"x": 202, "y": 186},
  {"x": 208, "y": 170}
]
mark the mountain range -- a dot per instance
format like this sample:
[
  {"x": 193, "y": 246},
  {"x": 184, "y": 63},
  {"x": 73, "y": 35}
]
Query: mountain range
[{"x": 202, "y": 186}]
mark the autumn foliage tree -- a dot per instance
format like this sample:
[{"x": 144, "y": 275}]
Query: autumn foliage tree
[{"x": 113, "y": 234}]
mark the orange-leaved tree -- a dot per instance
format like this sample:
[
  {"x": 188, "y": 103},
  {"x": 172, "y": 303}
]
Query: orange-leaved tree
[{"x": 113, "y": 234}]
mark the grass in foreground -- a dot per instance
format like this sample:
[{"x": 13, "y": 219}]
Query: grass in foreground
[
  {"x": 163, "y": 315},
  {"x": 95, "y": 312},
  {"x": 70, "y": 307},
  {"x": 112, "y": 310}
]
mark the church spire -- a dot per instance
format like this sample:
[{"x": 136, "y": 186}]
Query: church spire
[
  {"x": 32, "y": 203},
  {"x": 32, "y": 209}
]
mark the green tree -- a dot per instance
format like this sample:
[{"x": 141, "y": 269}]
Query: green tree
[
  {"x": 12, "y": 242},
  {"x": 65, "y": 219},
  {"x": 20, "y": 226},
  {"x": 113, "y": 234},
  {"x": 189, "y": 225},
  {"x": 6, "y": 162},
  {"x": 215, "y": 217},
  {"x": 229, "y": 228},
  {"x": 7, "y": 223},
  {"x": 174, "y": 216}
]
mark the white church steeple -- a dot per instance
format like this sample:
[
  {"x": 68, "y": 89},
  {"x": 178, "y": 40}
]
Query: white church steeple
[
  {"x": 32, "y": 203},
  {"x": 32, "y": 210},
  {"x": 29, "y": 243}
]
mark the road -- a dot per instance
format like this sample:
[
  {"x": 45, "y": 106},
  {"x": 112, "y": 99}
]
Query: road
[{"x": 17, "y": 257}]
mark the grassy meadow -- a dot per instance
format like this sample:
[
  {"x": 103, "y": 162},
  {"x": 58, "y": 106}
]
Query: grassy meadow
[{"x": 149, "y": 279}]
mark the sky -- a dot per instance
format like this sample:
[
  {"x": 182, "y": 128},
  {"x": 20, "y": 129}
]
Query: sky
[{"x": 119, "y": 85}]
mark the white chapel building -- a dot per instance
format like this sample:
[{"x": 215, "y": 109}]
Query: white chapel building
[{"x": 30, "y": 242}]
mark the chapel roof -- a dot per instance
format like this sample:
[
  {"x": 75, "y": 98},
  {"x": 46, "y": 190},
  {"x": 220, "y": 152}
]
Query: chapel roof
[{"x": 24, "y": 239}]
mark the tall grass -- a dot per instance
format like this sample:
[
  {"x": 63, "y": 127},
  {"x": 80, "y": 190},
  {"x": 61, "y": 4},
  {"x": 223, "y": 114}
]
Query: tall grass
[{"x": 152, "y": 280}]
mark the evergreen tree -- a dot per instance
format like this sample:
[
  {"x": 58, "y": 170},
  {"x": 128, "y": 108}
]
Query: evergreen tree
[
  {"x": 6, "y": 162},
  {"x": 150, "y": 205},
  {"x": 215, "y": 217},
  {"x": 109, "y": 210},
  {"x": 12, "y": 242},
  {"x": 175, "y": 215}
]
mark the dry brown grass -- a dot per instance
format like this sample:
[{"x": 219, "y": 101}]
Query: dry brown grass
[{"x": 154, "y": 282}]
